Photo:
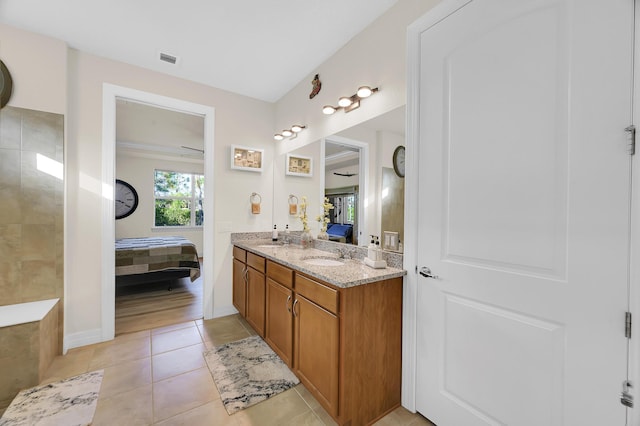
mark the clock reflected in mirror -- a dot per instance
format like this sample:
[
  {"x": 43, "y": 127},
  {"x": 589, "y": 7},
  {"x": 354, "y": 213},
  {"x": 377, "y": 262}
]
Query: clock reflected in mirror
[
  {"x": 126, "y": 199},
  {"x": 399, "y": 161}
]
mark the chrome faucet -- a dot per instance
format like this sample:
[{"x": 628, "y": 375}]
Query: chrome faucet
[{"x": 344, "y": 254}]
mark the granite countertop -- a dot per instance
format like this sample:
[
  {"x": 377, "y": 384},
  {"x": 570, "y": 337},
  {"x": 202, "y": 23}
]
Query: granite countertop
[{"x": 353, "y": 273}]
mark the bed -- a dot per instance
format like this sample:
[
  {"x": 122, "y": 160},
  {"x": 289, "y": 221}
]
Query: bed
[
  {"x": 153, "y": 259},
  {"x": 340, "y": 233}
]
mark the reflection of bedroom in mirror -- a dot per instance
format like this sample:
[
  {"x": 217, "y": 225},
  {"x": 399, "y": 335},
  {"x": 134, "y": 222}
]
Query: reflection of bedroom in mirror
[
  {"x": 159, "y": 152},
  {"x": 342, "y": 183},
  {"x": 377, "y": 209}
]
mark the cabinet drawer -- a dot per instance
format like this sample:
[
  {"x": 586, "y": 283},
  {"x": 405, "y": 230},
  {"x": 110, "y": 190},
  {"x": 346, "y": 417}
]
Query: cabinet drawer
[
  {"x": 320, "y": 294},
  {"x": 239, "y": 254},
  {"x": 280, "y": 274},
  {"x": 256, "y": 262}
]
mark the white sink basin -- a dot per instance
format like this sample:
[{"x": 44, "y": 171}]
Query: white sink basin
[
  {"x": 269, "y": 245},
  {"x": 319, "y": 261}
]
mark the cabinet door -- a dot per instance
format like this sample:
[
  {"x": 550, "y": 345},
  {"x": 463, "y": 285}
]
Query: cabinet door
[
  {"x": 279, "y": 327},
  {"x": 239, "y": 287},
  {"x": 317, "y": 344},
  {"x": 256, "y": 300}
]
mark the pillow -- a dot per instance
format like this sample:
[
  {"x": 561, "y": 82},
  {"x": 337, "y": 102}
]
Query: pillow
[{"x": 343, "y": 230}]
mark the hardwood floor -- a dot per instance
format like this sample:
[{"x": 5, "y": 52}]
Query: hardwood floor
[{"x": 152, "y": 305}]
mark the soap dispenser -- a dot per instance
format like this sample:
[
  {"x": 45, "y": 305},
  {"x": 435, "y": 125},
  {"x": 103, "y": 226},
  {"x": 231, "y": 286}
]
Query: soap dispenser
[
  {"x": 371, "y": 249},
  {"x": 274, "y": 234},
  {"x": 286, "y": 234}
]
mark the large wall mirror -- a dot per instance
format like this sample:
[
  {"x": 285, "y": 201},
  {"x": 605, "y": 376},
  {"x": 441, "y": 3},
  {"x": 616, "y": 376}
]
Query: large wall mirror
[{"x": 354, "y": 169}]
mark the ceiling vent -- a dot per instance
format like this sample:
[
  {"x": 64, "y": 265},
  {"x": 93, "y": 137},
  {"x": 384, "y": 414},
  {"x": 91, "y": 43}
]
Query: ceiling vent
[{"x": 165, "y": 57}]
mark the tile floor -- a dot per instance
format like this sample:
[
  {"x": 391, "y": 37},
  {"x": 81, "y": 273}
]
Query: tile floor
[{"x": 159, "y": 377}]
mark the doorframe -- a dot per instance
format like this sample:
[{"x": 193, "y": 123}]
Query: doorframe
[
  {"x": 410, "y": 256},
  {"x": 110, "y": 93},
  {"x": 409, "y": 336},
  {"x": 633, "y": 416},
  {"x": 363, "y": 180}
]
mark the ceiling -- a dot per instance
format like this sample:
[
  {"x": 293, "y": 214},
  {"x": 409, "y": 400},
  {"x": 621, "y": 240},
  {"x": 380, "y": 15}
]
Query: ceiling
[{"x": 256, "y": 48}]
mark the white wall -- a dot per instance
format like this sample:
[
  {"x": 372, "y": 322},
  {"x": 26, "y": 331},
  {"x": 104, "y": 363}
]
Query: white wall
[
  {"x": 334, "y": 181},
  {"x": 38, "y": 67},
  {"x": 51, "y": 78},
  {"x": 87, "y": 73},
  {"x": 139, "y": 172},
  {"x": 376, "y": 56},
  {"x": 311, "y": 187}
]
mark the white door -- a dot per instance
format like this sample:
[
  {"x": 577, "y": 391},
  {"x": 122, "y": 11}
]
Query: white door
[{"x": 523, "y": 211}]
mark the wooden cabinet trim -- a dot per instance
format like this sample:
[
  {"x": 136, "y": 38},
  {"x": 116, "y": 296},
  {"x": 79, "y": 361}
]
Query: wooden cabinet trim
[
  {"x": 318, "y": 293},
  {"x": 280, "y": 274},
  {"x": 256, "y": 262},
  {"x": 279, "y": 321},
  {"x": 240, "y": 254}
]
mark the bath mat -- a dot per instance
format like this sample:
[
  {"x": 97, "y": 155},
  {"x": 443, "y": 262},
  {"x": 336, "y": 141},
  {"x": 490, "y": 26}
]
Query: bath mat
[
  {"x": 67, "y": 402},
  {"x": 247, "y": 372}
]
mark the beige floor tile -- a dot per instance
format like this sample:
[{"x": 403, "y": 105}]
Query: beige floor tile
[
  {"x": 308, "y": 418},
  {"x": 121, "y": 351},
  {"x": 65, "y": 366},
  {"x": 125, "y": 376},
  {"x": 175, "y": 340},
  {"x": 173, "y": 327},
  {"x": 178, "y": 361},
  {"x": 129, "y": 408},
  {"x": 183, "y": 393},
  {"x": 246, "y": 325},
  {"x": 315, "y": 406},
  {"x": 223, "y": 330},
  {"x": 211, "y": 413},
  {"x": 131, "y": 336},
  {"x": 277, "y": 410},
  {"x": 403, "y": 417},
  {"x": 421, "y": 421}
]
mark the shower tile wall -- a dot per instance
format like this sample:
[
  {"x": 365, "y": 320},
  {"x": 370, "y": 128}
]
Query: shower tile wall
[{"x": 31, "y": 207}]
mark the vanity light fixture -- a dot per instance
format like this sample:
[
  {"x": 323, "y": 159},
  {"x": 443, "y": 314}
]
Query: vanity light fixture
[
  {"x": 349, "y": 103},
  {"x": 289, "y": 133}
]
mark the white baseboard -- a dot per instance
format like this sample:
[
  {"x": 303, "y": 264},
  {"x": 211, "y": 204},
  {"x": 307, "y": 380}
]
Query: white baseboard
[
  {"x": 82, "y": 338},
  {"x": 223, "y": 311}
]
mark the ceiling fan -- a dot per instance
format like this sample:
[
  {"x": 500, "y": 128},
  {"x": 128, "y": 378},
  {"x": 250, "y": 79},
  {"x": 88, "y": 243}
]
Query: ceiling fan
[{"x": 345, "y": 174}]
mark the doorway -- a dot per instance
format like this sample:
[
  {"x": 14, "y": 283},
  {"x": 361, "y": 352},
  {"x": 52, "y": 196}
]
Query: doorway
[
  {"x": 520, "y": 280},
  {"x": 346, "y": 181},
  {"x": 159, "y": 152},
  {"x": 110, "y": 95}
]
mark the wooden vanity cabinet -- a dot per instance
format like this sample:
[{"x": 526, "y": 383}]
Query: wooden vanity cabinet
[
  {"x": 249, "y": 287},
  {"x": 256, "y": 292},
  {"x": 279, "y": 321},
  {"x": 344, "y": 344},
  {"x": 240, "y": 280},
  {"x": 317, "y": 341}
]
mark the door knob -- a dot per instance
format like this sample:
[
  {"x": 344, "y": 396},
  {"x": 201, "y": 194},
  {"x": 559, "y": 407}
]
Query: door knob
[{"x": 426, "y": 272}]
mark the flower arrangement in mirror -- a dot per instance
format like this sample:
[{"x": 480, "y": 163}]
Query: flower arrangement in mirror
[
  {"x": 324, "y": 219},
  {"x": 305, "y": 238}
]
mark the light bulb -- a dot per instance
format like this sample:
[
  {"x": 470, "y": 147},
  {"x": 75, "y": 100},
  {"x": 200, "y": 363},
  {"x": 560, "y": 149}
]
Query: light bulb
[
  {"x": 278, "y": 137},
  {"x": 287, "y": 133},
  {"x": 297, "y": 128},
  {"x": 344, "y": 101},
  {"x": 364, "y": 92},
  {"x": 328, "y": 109}
]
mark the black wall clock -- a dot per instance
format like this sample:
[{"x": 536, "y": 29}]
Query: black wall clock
[
  {"x": 126, "y": 199},
  {"x": 6, "y": 85},
  {"x": 398, "y": 161}
]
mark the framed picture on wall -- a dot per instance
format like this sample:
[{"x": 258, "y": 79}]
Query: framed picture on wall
[
  {"x": 297, "y": 165},
  {"x": 246, "y": 158}
]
